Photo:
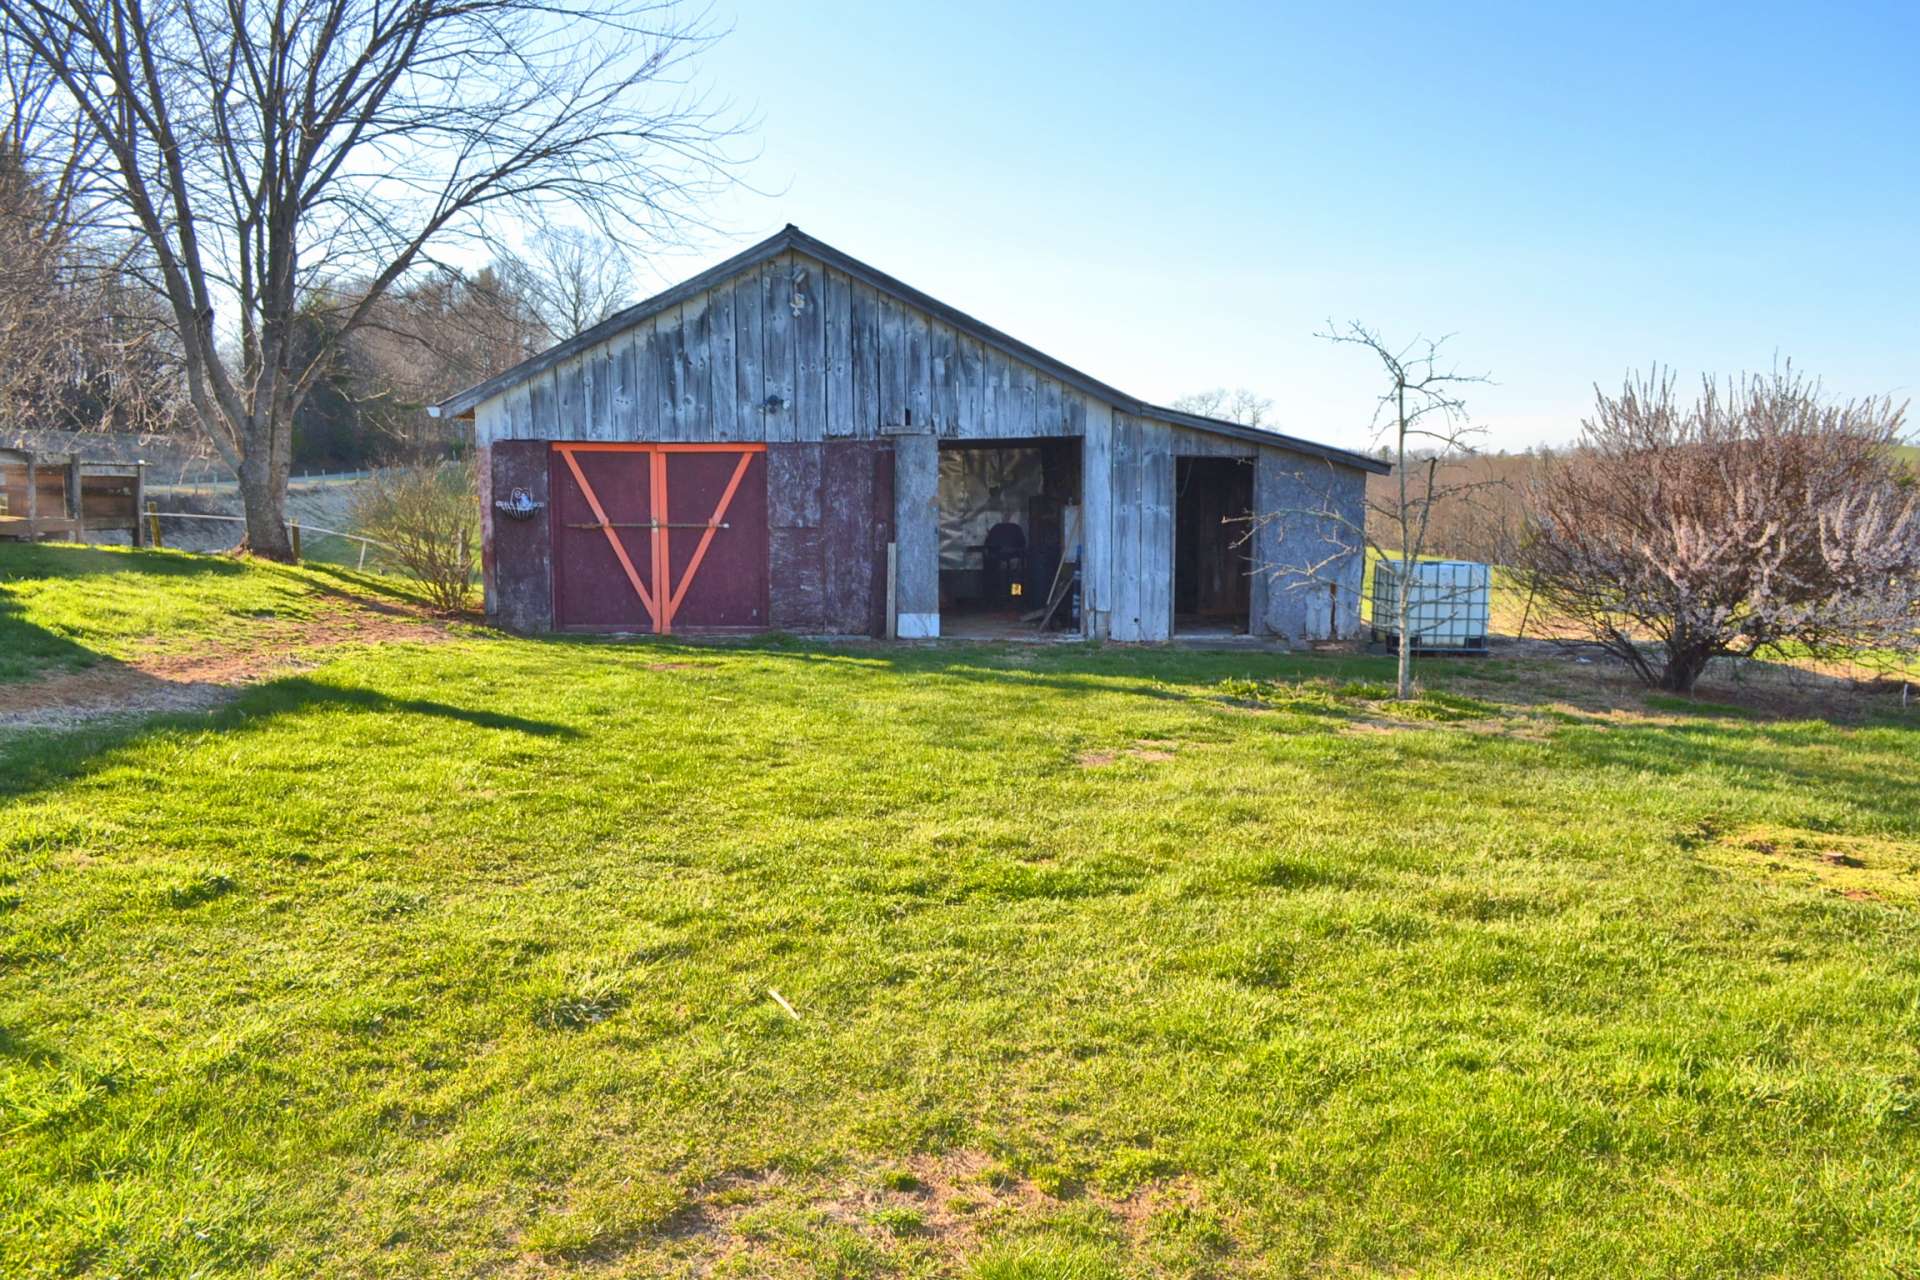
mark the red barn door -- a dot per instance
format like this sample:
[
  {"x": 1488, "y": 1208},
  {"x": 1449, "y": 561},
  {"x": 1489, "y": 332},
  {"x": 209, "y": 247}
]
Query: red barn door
[
  {"x": 602, "y": 513},
  {"x": 659, "y": 537}
]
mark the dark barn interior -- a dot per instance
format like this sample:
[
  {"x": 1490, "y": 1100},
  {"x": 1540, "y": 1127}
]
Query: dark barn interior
[
  {"x": 1212, "y": 564},
  {"x": 1006, "y": 517}
]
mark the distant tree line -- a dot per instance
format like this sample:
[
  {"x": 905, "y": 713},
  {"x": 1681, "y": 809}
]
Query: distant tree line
[{"x": 85, "y": 346}]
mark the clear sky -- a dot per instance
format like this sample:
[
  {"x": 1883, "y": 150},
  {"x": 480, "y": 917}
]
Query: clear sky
[{"x": 1173, "y": 198}]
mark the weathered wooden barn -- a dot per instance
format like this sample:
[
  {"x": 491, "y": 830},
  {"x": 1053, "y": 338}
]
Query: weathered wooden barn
[{"x": 796, "y": 441}]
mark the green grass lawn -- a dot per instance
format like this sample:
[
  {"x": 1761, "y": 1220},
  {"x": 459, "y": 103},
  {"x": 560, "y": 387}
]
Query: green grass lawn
[
  {"x": 67, "y": 608},
  {"x": 458, "y": 959}
]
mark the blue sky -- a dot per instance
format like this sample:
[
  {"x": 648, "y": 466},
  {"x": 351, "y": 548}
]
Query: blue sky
[{"x": 1178, "y": 197}]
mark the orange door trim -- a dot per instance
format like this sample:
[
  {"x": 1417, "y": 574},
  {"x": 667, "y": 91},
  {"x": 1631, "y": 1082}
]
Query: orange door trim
[
  {"x": 613, "y": 539},
  {"x": 664, "y": 600},
  {"x": 706, "y": 535}
]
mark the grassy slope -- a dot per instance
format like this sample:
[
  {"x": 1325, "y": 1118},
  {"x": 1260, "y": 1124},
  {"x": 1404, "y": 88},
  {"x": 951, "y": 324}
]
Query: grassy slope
[
  {"x": 66, "y": 608},
  {"x": 439, "y": 959}
]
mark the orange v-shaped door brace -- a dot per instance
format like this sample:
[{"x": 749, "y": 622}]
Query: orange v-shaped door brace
[
  {"x": 664, "y": 600},
  {"x": 613, "y": 538}
]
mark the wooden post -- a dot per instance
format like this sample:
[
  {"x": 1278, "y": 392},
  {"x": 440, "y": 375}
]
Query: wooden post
[
  {"x": 293, "y": 530},
  {"x": 153, "y": 524},
  {"x": 74, "y": 510},
  {"x": 893, "y": 590},
  {"x": 33, "y": 500},
  {"x": 139, "y": 502},
  {"x": 916, "y": 532},
  {"x": 1525, "y": 614}
]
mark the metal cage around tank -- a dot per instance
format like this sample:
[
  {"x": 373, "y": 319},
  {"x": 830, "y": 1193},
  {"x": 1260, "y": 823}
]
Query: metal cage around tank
[{"x": 1449, "y": 604}]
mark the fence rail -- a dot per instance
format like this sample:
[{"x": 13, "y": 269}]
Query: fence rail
[
  {"x": 181, "y": 484},
  {"x": 294, "y": 530}
]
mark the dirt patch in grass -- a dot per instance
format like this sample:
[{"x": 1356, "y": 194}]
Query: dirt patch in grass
[
  {"x": 926, "y": 1214},
  {"x": 1147, "y": 750},
  {"x": 1859, "y": 868},
  {"x": 211, "y": 674}
]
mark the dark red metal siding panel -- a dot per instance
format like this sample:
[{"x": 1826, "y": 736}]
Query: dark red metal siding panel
[
  {"x": 728, "y": 589},
  {"x": 857, "y": 487},
  {"x": 793, "y": 485},
  {"x": 797, "y": 571},
  {"x": 519, "y": 552},
  {"x": 831, "y": 516},
  {"x": 590, "y": 588}
]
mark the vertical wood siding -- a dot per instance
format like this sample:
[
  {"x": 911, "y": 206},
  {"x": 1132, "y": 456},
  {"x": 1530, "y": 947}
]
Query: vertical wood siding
[
  {"x": 1141, "y": 542},
  {"x": 793, "y": 352},
  {"x": 916, "y": 493},
  {"x": 845, "y": 361},
  {"x": 1289, "y": 490}
]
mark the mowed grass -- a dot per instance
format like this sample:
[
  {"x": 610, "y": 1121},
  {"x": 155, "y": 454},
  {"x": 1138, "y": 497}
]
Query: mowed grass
[
  {"x": 67, "y": 608},
  {"x": 458, "y": 959}
]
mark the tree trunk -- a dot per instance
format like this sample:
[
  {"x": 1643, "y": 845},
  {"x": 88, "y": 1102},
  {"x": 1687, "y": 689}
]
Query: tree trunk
[
  {"x": 1404, "y": 604},
  {"x": 1685, "y": 666},
  {"x": 263, "y": 497}
]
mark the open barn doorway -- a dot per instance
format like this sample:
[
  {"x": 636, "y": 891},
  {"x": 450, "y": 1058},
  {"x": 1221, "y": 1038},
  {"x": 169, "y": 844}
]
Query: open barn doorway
[
  {"x": 1009, "y": 537},
  {"x": 1212, "y": 550}
]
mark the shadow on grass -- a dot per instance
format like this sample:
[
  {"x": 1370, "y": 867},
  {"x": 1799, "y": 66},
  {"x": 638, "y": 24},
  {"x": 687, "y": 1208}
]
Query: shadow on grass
[
  {"x": 1754, "y": 755},
  {"x": 32, "y": 760},
  {"x": 299, "y": 693},
  {"x": 28, "y": 649},
  {"x": 1755, "y": 744},
  {"x": 21, "y": 1049},
  {"x": 365, "y": 590},
  {"x": 72, "y": 560},
  {"x": 1088, "y": 669}
]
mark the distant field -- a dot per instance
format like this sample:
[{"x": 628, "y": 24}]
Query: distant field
[
  {"x": 317, "y": 504},
  {"x": 512, "y": 957}
]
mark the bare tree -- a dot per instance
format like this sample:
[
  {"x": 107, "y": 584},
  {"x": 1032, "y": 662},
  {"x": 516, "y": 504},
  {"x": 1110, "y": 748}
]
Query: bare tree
[
  {"x": 1759, "y": 516},
  {"x": 257, "y": 148},
  {"x": 1248, "y": 408},
  {"x": 80, "y": 345},
  {"x": 445, "y": 328},
  {"x": 1421, "y": 423},
  {"x": 573, "y": 279}
]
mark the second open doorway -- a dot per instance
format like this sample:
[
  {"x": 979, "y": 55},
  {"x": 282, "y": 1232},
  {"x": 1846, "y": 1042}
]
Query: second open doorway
[{"x": 1212, "y": 546}]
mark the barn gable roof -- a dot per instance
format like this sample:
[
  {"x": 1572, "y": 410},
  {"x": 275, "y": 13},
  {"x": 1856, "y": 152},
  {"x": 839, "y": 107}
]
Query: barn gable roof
[{"x": 792, "y": 239}]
